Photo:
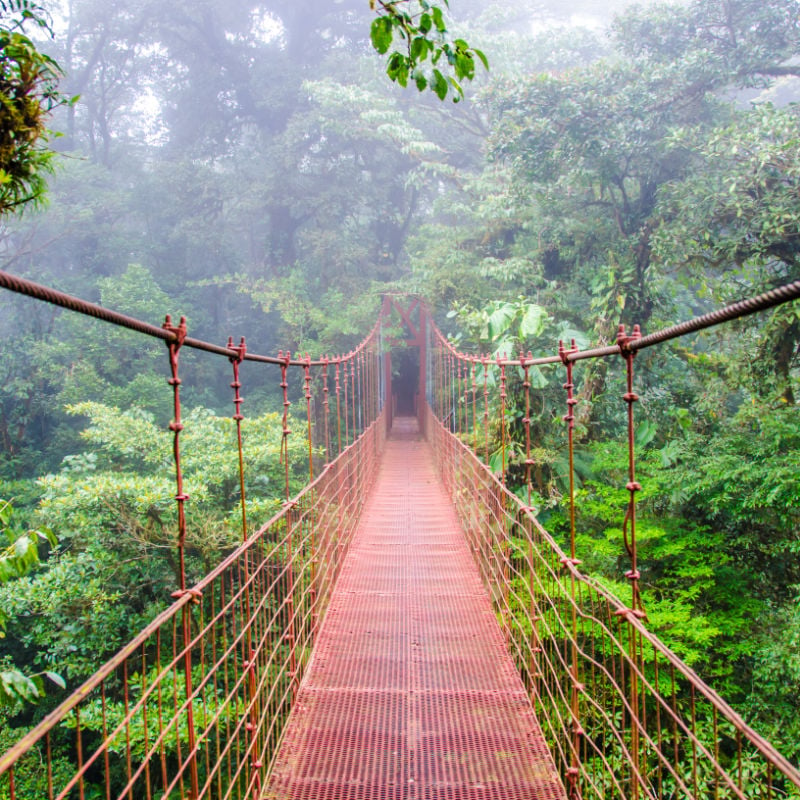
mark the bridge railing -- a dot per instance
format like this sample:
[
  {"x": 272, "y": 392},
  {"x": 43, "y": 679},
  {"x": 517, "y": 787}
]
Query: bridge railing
[
  {"x": 623, "y": 715},
  {"x": 195, "y": 705},
  {"x": 644, "y": 725}
]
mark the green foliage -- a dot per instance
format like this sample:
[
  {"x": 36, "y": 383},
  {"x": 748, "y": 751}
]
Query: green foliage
[
  {"x": 716, "y": 534},
  {"x": 745, "y": 43},
  {"x": 33, "y": 772},
  {"x": 776, "y": 676},
  {"x": 88, "y": 359},
  {"x": 421, "y": 26},
  {"x": 740, "y": 204},
  {"x": 506, "y": 327},
  {"x": 21, "y": 553},
  {"x": 606, "y": 142},
  {"x": 747, "y": 483},
  {"x": 132, "y": 735},
  {"x": 695, "y": 594},
  {"x": 129, "y": 472},
  {"x": 80, "y": 609},
  {"x": 19, "y": 557},
  {"x": 28, "y": 93},
  {"x": 112, "y": 507}
]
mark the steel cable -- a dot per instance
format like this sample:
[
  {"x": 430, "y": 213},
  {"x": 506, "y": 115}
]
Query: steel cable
[{"x": 37, "y": 291}]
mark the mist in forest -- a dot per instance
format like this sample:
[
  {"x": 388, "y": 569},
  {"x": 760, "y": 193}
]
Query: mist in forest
[
  {"x": 253, "y": 156},
  {"x": 252, "y": 166}
]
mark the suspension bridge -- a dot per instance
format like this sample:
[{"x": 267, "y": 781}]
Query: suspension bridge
[{"x": 404, "y": 627}]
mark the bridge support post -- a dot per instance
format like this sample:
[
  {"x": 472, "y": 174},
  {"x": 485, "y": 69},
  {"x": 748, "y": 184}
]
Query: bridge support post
[
  {"x": 573, "y": 772},
  {"x": 387, "y": 377},
  {"x": 636, "y": 609},
  {"x": 176, "y": 426},
  {"x": 423, "y": 368}
]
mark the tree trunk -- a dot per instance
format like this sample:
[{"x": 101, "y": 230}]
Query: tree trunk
[{"x": 784, "y": 352}]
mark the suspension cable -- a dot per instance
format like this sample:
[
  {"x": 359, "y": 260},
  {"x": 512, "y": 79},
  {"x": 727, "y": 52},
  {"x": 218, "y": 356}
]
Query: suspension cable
[
  {"x": 738, "y": 310},
  {"x": 37, "y": 291}
]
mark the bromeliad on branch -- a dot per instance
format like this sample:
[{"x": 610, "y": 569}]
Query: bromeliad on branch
[{"x": 28, "y": 93}]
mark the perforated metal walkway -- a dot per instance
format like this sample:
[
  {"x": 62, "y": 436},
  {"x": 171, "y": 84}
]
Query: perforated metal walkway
[{"x": 410, "y": 692}]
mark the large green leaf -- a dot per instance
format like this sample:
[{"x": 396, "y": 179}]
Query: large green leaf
[
  {"x": 496, "y": 462},
  {"x": 567, "y": 334},
  {"x": 533, "y": 320},
  {"x": 645, "y": 433},
  {"x": 500, "y": 320},
  {"x": 504, "y": 348},
  {"x": 439, "y": 84},
  {"x": 537, "y": 378},
  {"x": 381, "y": 34}
]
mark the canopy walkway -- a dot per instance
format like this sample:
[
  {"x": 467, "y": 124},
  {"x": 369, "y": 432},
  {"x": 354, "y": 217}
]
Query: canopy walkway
[
  {"x": 411, "y": 691},
  {"x": 404, "y": 627}
]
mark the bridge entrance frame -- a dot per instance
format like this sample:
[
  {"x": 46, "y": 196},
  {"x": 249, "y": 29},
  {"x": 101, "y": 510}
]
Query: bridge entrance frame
[{"x": 414, "y": 320}]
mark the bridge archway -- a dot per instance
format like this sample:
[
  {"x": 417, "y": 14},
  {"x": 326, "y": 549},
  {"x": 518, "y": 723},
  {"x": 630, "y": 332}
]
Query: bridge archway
[{"x": 405, "y": 358}]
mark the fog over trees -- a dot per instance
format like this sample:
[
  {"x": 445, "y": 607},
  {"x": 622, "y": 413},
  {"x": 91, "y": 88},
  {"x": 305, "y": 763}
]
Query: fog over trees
[{"x": 251, "y": 165}]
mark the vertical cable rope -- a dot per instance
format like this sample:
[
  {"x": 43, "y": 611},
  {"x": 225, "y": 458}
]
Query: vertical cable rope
[
  {"x": 236, "y": 385},
  {"x": 176, "y": 426},
  {"x": 573, "y": 771}
]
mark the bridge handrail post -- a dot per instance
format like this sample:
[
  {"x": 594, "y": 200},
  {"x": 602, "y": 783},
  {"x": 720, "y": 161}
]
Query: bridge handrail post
[
  {"x": 285, "y": 360},
  {"x": 249, "y": 660},
  {"x": 326, "y": 409},
  {"x": 474, "y": 388},
  {"x": 236, "y": 362},
  {"x": 311, "y": 514},
  {"x": 463, "y": 395},
  {"x": 176, "y": 426},
  {"x": 338, "y": 391},
  {"x": 501, "y": 362},
  {"x": 485, "y": 363},
  {"x": 533, "y": 661},
  {"x": 573, "y": 772},
  {"x": 636, "y": 610},
  {"x": 286, "y": 431},
  {"x": 346, "y": 381},
  {"x": 353, "y": 384}
]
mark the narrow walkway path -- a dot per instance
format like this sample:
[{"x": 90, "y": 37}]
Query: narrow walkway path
[{"x": 410, "y": 692}]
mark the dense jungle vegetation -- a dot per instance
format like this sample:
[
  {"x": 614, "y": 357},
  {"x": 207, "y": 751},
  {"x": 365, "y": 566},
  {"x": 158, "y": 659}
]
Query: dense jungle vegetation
[{"x": 249, "y": 164}]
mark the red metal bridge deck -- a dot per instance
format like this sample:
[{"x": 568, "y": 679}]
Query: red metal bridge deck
[{"x": 411, "y": 692}]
